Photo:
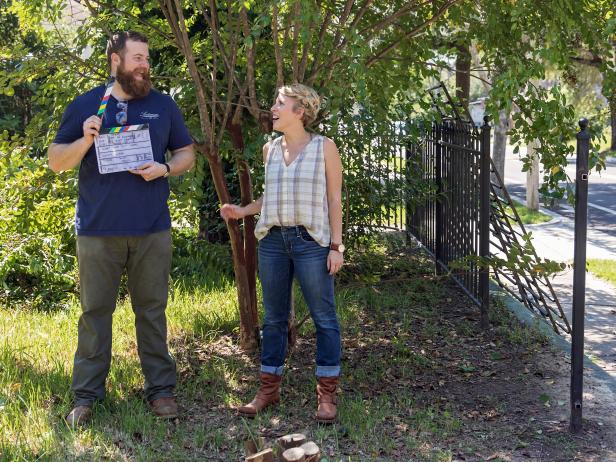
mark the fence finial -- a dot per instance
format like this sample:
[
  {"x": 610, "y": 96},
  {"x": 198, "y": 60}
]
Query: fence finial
[
  {"x": 485, "y": 121},
  {"x": 583, "y": 123}
]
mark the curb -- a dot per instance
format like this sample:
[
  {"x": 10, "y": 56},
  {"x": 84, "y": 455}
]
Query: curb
[
  {"x": 531, "y": 320},
  {"x": 556, "y": 217}
]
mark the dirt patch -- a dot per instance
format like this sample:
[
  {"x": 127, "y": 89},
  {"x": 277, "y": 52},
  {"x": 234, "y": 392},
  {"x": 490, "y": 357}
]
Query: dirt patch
[{"x": 421, "y": 382}]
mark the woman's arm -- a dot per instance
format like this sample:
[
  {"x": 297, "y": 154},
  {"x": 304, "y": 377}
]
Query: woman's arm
[
  {"x": 235, "y": 212},
  {"x": 333, "y": 176}
]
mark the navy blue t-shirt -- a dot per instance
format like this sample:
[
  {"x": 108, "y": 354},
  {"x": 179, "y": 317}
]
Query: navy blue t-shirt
[{"x": 122, "y": 203}]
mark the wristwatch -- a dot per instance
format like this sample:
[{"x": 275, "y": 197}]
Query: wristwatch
[
  {"x": 337, "y": 247},
  {"x": 168, "y": 170}
]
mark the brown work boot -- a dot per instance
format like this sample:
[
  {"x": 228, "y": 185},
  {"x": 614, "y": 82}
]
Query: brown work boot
[
  {"x": 165, "y": 408},
  {"x": 79, "y": 416},
  {"x": 267, "y": 395},
  {"x": 326, "y": 396}
]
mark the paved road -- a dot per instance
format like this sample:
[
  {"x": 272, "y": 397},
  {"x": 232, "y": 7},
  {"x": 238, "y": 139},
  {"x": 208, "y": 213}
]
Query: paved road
[
  {"x": 601, "y": 192},
  {"x": 554, "y": 240}
]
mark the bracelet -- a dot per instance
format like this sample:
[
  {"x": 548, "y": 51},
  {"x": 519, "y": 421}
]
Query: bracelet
[{"x": 168, "y": 170}]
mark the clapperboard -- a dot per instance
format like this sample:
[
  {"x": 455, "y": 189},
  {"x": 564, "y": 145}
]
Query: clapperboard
[{"x": 119, "y": 149}]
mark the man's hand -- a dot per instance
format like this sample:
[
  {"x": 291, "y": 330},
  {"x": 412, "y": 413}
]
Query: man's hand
[
  {"x": 150, "y": 170},
  {"x": 232, "y": 211},
  {"x": 91, "y": 127}
]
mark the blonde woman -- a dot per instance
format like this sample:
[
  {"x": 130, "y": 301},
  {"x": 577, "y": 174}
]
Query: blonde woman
[{"x": 300, "y": 235}]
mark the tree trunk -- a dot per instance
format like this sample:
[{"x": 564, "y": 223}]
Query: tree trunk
[
  {"x": 612, "y": 102},
  {"x": 250, "y": 241},
  {"x": 249, "y": 321},
  {"x": 532, "y": 177},
  {"x": 463, "y": 74},
  {"x": 500, "y": 145}
]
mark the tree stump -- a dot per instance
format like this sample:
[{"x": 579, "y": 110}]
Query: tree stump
[
  {"x": 312, "y": 453},
  {"x": 293, "y": 440},
  {"x": 293, "y": 455},
  {"x": 267, "y": 455},
  {"x": 251, "y": 446}
]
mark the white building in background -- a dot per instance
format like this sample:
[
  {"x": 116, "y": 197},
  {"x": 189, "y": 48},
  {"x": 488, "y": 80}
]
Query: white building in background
[
  {"x": 477, "y": 110},
  {"x": 74, "y": 15}
]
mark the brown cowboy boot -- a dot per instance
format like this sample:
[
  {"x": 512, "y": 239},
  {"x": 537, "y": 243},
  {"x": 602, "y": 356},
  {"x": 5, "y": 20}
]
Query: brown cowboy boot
[
  {"x": 268, "y": 394},
  {"x": 326, "y": 395}
]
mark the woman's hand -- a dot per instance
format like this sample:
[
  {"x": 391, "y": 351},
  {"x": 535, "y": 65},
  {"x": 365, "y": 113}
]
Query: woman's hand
[
  {"x": 232, "y": 211},
  {"x": 335, "y": 260}
]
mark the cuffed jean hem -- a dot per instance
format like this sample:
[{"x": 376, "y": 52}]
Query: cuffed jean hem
[
  {"x": 328, "y": 371},
  {"x": 272, "y": 369}
]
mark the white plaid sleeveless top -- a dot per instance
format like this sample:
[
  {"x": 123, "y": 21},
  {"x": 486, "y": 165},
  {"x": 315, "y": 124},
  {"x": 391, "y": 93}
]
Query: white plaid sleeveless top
[{"x": 296, "y": 194}]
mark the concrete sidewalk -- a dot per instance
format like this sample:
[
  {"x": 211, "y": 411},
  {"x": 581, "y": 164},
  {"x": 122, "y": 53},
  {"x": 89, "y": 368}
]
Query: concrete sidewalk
[{"x": 555, "y": 240}]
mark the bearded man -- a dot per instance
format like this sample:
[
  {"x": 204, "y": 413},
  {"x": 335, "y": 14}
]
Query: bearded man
[{"x": 122, "y": 223}]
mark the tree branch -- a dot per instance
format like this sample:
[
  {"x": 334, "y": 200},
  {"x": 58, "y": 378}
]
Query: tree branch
[
  {"x": 125, "y": 13},
  {"x": 214, "y": 72},
  {"x": 319, "y": 45},
  {"x": 595, "y": 61},
  {"x": 337, "y": 45},
  {"x": 379, "y": 26},
  {"x": 229, "y": 102},
  {"x": 250, "y": 66},
  {"x": 296, "y": 29},
  {"x": 412, "y": 33},
  {"x": 277, "y": 53},
  {"x": 305, "y": 49},
  {"x": 360, "y": 14},
  {"x": 176, "y": 20}
]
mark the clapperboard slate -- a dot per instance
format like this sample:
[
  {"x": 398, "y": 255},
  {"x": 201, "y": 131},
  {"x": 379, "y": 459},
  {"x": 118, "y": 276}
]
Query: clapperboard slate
[{"x": 119, "y": 149}]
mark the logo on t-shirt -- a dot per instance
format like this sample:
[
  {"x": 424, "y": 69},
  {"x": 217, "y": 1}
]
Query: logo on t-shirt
[{"x": 149, "y": 115}]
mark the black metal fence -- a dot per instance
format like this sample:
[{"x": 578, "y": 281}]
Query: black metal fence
[
  {"x": 453, "y": 223},
  {"x": 445, "y": 191},
  {"x": 442, "y": 188},
  {"x": 376, "y": 171},
  {"x": 520, "y": 276}
]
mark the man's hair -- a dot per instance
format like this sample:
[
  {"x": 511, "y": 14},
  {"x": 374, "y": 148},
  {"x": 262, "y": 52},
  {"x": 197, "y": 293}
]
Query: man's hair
[{"x": 117, "y": 42}]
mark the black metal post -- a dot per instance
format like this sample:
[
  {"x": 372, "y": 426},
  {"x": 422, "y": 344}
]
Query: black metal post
[
  {"x": 407, "y": 191},
  {"x": 484, "y": 222},
  {"x": 579, "y": 276},
  {"x": 438, "y": 172}
]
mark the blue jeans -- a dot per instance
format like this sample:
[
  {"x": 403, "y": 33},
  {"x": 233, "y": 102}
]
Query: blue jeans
[{"x": 284, "y": 253}]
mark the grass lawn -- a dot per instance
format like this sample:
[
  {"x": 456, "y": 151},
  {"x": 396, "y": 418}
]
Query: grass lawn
[
  {"x": 604, "y": 269},
  {"x": 421, "y": 381},
  {"x": 528, "y": 217}
]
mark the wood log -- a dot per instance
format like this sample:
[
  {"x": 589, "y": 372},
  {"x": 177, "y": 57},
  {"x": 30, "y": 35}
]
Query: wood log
[
  {"x": 252, "y": 445},
  {"x": 293, "y": 455},
  {"x": 312, "y": 453},
  {"x": 293, "y": 440},
  {"x": 267, "y": 455}
]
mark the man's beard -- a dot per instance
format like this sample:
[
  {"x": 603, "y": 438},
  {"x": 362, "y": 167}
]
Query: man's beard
[{"x": 132, "y": 86}]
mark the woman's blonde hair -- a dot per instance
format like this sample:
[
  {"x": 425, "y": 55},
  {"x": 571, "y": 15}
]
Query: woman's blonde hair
[{"x": 305, "y": 97}]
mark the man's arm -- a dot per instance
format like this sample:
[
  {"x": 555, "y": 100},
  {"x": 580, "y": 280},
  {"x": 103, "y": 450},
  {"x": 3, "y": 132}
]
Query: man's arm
[
  {"x": 182, "y": 160},
  {"x": 61, "y": 157}
]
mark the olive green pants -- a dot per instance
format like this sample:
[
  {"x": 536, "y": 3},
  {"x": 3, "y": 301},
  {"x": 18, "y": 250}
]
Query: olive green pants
[{"x": 102, "y": 260}]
